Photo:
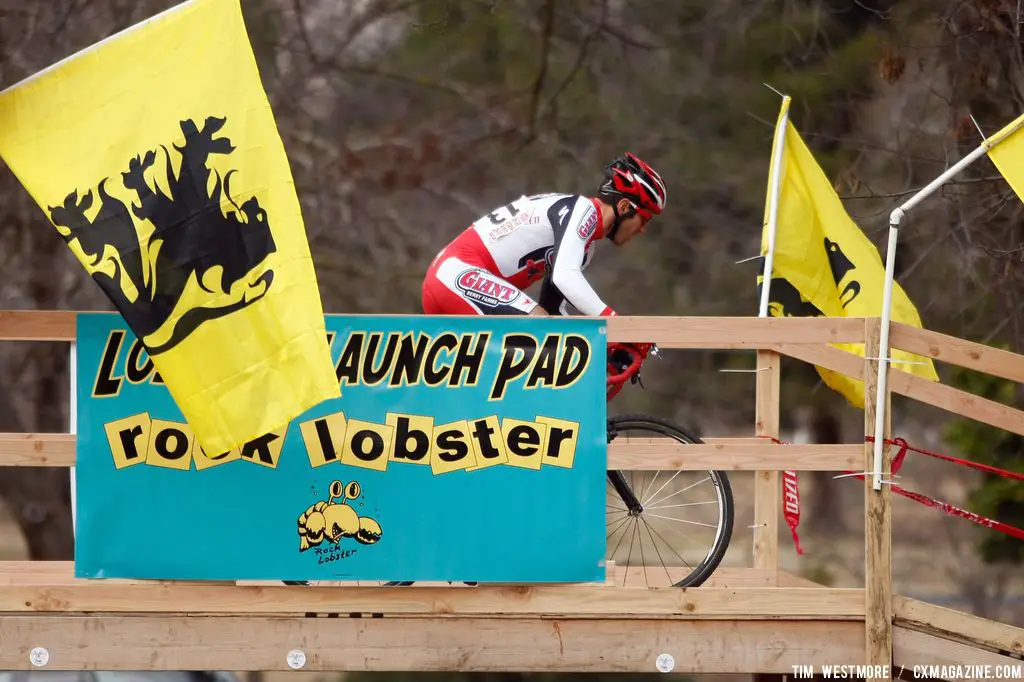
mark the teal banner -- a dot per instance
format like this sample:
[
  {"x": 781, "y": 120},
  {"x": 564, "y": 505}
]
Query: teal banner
[{"x": 462, "y": 449}]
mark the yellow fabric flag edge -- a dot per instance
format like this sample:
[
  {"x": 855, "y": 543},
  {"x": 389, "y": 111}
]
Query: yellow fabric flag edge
[
  {"x": 319, "y": 388},
  {"x": 852, "y": 389},
  {"x": 1010, "y": 167}
]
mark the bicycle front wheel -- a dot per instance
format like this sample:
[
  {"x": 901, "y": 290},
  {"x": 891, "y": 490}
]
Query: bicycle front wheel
[{"x": 665, "y": 527}]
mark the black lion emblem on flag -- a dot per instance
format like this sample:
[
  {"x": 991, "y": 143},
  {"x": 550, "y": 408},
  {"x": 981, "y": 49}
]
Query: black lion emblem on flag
[{"x": 198, "y": 232}]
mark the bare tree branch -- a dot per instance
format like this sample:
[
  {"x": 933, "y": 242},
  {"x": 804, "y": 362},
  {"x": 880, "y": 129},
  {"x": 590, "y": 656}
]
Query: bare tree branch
[{"x": 538, "y": 83}]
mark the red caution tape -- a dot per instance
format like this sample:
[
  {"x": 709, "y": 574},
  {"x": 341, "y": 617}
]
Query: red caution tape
[{"x": 791, "y": 490}]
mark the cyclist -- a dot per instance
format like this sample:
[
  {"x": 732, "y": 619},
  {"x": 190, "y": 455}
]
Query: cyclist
[{"x": 487, "y": 268}]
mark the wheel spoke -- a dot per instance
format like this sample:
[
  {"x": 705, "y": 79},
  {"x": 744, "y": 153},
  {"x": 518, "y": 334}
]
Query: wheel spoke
[
  {"x": 671, "y": 518},
  {"x": 655, "y": 543},
  {"x": 658, "y": 495},
  {"x": 684, "y": 504},
  {"x": 668, "y": 544},
  {"x": 645, "y": 498},
  {"x": 682, "y": 490}
]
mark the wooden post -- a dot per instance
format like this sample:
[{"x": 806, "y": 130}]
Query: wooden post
[
  {"x": 877, "y": 514},
  {"x": 767, "y": 496}
]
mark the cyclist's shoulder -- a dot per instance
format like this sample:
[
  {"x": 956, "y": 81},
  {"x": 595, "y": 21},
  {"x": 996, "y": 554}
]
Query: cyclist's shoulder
[
  {"x": 559, "y": 207},
  {"x": 539, "y": 200},
  {"x": 552, "y": 197}
]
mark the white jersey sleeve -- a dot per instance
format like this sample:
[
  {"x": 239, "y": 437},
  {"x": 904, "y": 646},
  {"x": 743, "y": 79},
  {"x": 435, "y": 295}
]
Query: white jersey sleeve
[{"x": 573, "y": 226}]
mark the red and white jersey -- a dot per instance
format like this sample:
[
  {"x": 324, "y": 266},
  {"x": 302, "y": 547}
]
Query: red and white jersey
[{"x": 536, "y": 236}]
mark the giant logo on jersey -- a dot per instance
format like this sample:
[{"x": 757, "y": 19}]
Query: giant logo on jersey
[
  {"x": 587, "y": 227},
  {"x": 482, "y": 288}
]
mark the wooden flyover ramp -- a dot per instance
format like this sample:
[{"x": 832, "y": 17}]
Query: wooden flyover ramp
[{"x": 757, "y": 620}]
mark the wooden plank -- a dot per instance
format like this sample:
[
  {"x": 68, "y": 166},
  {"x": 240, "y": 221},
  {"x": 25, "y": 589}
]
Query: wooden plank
[
  {"x": 948, "y": 398},
  {"x": 626, "y": 453},
  {"x": 733, "y": 454},
  {"x": 956, "y": 351},
  {"x": 787, "y": 579},
  {"x": 952, "y": 623},
  {"x": 37, "y": 449},
  {"x": 62, "y": 573},
  {"x": 917, "y": 651},
  {"x": 578, "y": 601},
  {"x": 767, "y": 494},
  {"x": 423, "y": 644},
  {"x": 661, "y": 576},
  {"x": 838, "y": 360},
  {"x": 708, "y": 333},
  {"x": 37, "y": 325},
  {"x": 957, "y": 401},
  {"x": 34, "y": 570},
  {"x": 669, "y": 332},
  {"x": 877, "y": 514}
]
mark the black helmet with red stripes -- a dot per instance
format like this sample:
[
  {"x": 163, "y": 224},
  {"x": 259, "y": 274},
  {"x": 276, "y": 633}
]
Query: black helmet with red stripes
[{"x": 629, "y": 177}]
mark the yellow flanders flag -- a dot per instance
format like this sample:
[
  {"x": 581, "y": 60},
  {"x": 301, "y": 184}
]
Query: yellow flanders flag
[
  {"x": 1006, "y": 151},
  {"x": 824, "y": 265},
  {"x": 155, "y": 155}
]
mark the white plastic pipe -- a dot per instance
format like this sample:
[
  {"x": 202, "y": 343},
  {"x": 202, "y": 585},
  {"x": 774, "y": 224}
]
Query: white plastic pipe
[
  {"x": 890, "y": 258},
  {"x": 773, "y": 210}
]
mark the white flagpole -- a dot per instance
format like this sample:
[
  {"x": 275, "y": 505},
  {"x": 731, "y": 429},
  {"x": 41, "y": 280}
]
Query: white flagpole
[
  {"x": 890, "y": 257},
  {"x": 773, "y": 206}
]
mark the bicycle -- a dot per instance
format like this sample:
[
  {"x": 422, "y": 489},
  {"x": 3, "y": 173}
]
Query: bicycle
[{"x": 623, "y": 365}]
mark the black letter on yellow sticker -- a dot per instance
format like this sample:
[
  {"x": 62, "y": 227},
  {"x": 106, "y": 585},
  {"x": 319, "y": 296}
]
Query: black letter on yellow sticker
[
  {"x": 323, "y": 437},
  {"x": 451, "y": 450},
  {"x": 367, "y": 445},
  {"x": 265, "y": 450},
  {"x": 170, "y": 445},
  {"x": 412, "y": 437},
  {"x": 525, "y": 442},
  {"x": 129, "y": 439}
]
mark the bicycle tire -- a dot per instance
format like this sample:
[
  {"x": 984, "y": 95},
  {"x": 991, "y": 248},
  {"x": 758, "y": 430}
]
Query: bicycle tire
[{"x": 665, "y": 427}]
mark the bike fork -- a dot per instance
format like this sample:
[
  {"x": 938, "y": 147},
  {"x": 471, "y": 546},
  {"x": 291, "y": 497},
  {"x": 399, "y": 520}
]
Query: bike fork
[{"x": 618, "y": 482}]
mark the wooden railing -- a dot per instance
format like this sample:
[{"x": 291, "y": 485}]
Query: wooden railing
[{"x": 43, "y": 594}]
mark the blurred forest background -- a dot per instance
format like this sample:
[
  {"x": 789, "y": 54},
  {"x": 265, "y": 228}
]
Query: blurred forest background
[{"x": 406, "y": 119}]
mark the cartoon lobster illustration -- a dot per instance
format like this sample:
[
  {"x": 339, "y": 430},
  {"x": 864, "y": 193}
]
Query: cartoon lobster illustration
[{"x": 335, "y": 520}]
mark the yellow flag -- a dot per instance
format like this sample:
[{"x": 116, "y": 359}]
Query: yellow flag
[
  {"x": 155, "y": 155},
  {"x": 824, "y": 265},
  {"x": 1006, "y": 150}
]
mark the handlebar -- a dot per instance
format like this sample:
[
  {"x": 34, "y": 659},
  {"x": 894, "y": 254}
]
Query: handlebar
[
  {"x": 624, "y": 362},
  {"x": 621, "y": 369}
]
